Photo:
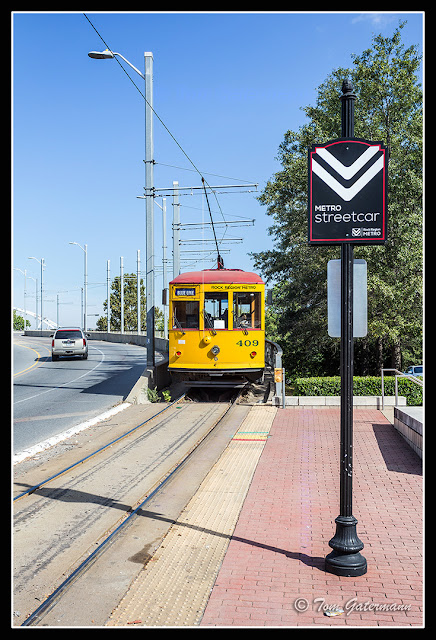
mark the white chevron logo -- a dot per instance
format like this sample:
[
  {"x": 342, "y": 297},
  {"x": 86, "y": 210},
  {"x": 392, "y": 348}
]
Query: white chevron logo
[{"x": 347, "y": 193}]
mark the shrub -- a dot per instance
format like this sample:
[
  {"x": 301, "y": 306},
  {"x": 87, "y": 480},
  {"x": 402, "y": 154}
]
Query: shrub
[{"x": 362, "y": 386}]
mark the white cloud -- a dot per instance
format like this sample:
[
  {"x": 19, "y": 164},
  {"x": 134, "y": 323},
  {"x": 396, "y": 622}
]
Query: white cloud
[{"x": 377, "y": 19}]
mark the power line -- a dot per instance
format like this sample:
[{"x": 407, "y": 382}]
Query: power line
[
  {"x": 217, "y": 175},
  {"x": 157, "y": 116}
]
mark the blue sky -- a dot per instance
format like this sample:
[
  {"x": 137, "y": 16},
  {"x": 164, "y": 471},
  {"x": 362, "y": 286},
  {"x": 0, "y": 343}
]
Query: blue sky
[{"x": 227, "y": 85}]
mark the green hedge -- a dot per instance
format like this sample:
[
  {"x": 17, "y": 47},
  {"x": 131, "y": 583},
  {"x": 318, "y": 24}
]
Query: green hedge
[{"x": 362, "y": 386}]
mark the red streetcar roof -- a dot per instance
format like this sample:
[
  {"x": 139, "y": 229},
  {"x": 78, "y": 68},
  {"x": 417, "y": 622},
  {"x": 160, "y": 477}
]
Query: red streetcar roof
[{"x": 207, "y": 276}]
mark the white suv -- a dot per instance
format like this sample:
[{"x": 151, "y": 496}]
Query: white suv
[{"x": 69, "y": 341}]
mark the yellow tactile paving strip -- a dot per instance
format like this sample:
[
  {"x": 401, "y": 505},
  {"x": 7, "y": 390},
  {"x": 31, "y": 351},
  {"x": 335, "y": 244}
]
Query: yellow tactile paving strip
[{"x": 174, "y": 587}]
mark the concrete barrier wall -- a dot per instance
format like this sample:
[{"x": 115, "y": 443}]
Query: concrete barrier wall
[
  {"x": 408, "y": 422},
  {"x": 161, "y": 344}
]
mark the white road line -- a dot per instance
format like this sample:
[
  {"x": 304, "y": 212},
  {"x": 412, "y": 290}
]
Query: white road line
[
  {"x": 65, "y": 383},
  {"x": 46, "y": 444}
]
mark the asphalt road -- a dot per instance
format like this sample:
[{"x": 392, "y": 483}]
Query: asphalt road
[{"x": 51, "y": 397}]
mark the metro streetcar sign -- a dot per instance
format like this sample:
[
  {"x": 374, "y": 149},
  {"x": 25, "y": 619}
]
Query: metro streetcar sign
[{"x": 347, "y": 192}]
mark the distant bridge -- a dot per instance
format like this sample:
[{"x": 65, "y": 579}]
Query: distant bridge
[{"x": 50, "y": 324}]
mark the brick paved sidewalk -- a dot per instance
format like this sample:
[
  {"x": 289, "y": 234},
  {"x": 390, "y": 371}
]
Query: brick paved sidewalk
[{"x": 274, "y": 564}]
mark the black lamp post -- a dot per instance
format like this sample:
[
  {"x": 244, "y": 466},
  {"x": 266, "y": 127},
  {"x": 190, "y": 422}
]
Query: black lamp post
[{"x": 345, "y": 559}]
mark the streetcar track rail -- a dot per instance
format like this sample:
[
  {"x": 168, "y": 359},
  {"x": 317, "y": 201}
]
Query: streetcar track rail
[
  {"x": 126, "y": 519},
  {"x": 32, "y": 489}
]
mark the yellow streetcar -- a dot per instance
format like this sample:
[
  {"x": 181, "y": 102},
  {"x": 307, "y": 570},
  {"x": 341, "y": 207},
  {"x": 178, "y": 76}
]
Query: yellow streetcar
[{"x": 217, "y": 326}]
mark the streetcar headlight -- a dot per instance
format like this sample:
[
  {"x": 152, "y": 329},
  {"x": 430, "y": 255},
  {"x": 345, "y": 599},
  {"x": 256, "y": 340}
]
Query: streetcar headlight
[{"x": 215, "y": 350}]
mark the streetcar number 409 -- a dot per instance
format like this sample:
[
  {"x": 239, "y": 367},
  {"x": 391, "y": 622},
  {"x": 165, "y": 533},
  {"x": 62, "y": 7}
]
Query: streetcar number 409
[{"x": 247, "y": 343}]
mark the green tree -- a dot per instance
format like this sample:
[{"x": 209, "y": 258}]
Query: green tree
[
  {"x": 388, "y": 108},
  {"x": 130, "y": 306},
  {"x": 18, "y": 322}
]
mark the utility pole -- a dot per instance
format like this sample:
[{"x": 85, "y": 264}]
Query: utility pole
[
  {"x": 121, "y": 295},
  {"x": 108, "y": 309},
  {"x": 176, "y": 230},
  {"x": 138, "y": 290}
]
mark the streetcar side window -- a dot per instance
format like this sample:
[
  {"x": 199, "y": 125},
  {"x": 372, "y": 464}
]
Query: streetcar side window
[
  {"x": 216, "y": 310},
  {"x": 186, "y": 314},
  {"x": 246, "y": 310}
]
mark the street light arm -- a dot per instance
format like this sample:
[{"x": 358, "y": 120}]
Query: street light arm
[
  {"x": 130, "y": 65},
  {"x": 77, "y": 245},
  {"x": 105, "y": 55}
]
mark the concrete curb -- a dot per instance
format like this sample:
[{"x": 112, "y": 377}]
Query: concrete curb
[{"x": 328, "y": 401}]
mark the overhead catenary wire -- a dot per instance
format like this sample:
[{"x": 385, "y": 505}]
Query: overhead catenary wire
[
  {"x": 220, "y": 262},
  {"x": 154, "y": 112},
  {"x": 216, "y": 175}
]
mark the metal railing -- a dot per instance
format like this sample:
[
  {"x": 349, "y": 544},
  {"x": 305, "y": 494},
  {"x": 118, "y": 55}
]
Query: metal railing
[{"x": 398, "y": 374}]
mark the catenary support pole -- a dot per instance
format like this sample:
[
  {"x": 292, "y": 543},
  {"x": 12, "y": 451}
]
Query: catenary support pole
[{"x": 176, "y": 230}]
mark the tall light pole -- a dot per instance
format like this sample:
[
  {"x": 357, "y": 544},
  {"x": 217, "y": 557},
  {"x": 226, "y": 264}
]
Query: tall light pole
[
  {"x": 36, "y": 299},
  {"x": 41, "y": 262},
  {"x": 108, "y": 296},
  {"x": 121, "y": 295},
  {"x": 138, "y": 291},
  {"x": 25, "y": 294},
  {"x": 85, "y": 281},
  {"x": 149, "y": 184}
]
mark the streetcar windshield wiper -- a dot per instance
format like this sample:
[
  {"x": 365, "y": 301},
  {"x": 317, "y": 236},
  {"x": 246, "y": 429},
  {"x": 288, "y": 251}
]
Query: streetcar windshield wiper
[
  {"x": 208, "y": 321},
  {"x": 177, "y": 324}
]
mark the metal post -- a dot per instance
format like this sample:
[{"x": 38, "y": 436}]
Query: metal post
[
  {"x": 36, "y": 303},
  {"x": 138, "y": 290},
  {"x": 176, "y": 231},
  {"x": 36, "y": 300},
  {"x": 345, "y": 559},
  {"x": 283, "y": 390},
  {"x": 149, "y": 206},
  {"x": 108, "y": 308},
  {"x": 164, "y": 262},
  {"x": 25, "y": 299},
  {"x": 86, "y": 287},
  {"x": 42, "y": 278},
  {"x": 121, "y": 295}
]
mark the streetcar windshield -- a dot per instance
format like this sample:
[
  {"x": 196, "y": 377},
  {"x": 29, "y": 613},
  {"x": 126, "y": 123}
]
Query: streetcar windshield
[
  {"x": 186, "y": 314},
  {"x": 216, "y": 310},
  {"x": 246, "y": 310}
]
